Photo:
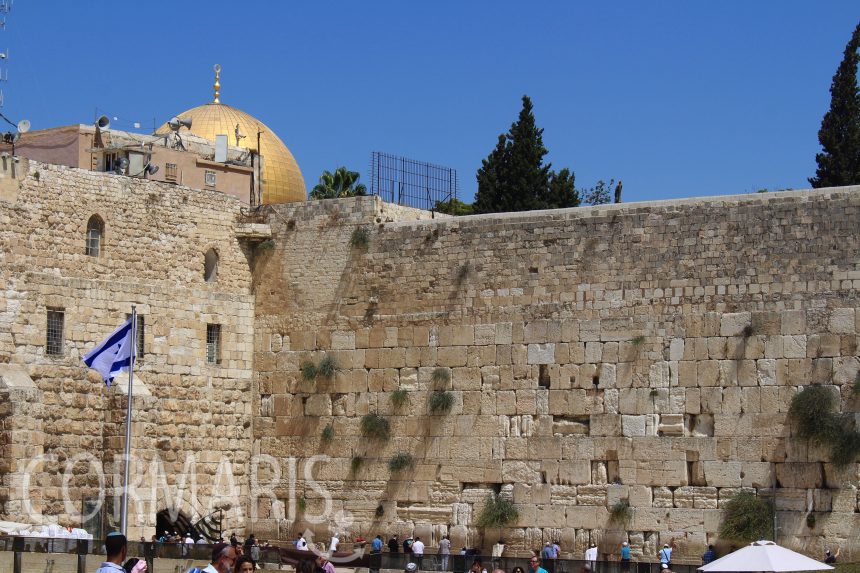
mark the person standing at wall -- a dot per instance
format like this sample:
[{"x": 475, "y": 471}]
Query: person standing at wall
[
  {"x": 445, "y": 551},
  {"x": 625, "y": 557}
]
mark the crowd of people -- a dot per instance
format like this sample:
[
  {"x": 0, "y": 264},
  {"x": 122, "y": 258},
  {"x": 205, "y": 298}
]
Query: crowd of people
[
  {"x": 242, "y": 557},
  {"x": 233, "y": 557}
]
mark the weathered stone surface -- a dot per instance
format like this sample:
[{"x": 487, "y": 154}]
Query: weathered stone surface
[{"x": 646, "y": 353}]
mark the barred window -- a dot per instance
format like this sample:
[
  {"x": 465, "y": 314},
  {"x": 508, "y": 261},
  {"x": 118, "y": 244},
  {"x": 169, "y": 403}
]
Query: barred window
[
  {"x": 54, "y": 340},
  {"x": 170, "y": 172},
  {"x": 141, "y": 329},
  {"x": 210, "y": 178},
  {"x": 213, "y": 343},
  {"x": 95, "y": 234}
]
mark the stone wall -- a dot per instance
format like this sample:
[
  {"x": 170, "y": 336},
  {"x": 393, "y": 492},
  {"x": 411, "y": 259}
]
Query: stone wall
[
  {"x": 152, "y": 255},
  {"x": 642, "y": 352}
]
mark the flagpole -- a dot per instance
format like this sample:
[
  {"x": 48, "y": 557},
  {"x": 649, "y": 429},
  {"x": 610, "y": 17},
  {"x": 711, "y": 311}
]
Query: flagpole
[{"x": 124, "y": 514}]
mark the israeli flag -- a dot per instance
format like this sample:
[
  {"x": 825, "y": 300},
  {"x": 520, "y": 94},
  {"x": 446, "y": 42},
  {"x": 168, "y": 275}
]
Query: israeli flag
[{"x": 114, "y": 354}]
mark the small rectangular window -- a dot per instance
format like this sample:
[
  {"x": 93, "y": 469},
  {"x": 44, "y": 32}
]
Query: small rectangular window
[
  {"x": 170, "y": 172},
  {"x": 141, "y": 329},
  {"x": 213, "y": 343},
  {"x": 54, "y": 340},
  {"x": 210, "y": 178},
  {"x": 94, "y": 239}
]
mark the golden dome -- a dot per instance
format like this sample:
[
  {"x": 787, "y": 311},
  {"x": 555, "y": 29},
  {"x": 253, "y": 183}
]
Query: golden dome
[{"x": 282, "y": 178}]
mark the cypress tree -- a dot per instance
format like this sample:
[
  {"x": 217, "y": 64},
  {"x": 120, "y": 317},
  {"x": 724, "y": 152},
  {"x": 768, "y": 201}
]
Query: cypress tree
[
  {"x": 839, "y": 135},
  {"x": 514, "y": 178}
]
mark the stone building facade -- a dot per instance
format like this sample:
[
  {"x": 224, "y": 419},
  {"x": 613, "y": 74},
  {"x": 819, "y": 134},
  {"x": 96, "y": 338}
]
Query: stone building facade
[{"x": 643, "y": 353}]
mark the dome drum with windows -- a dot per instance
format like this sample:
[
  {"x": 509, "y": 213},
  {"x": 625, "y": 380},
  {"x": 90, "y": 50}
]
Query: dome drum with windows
[{"x": 282, "y": 180}]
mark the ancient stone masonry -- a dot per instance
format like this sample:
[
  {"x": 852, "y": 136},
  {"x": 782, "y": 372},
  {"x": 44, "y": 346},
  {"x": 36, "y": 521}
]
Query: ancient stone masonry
[
  {"x": 151, "y": 254},
  {"x": 571, "y": 361},
  {"x": 644, "y": 353}
]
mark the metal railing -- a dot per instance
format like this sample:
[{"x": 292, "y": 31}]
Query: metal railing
[
  {"x": 200, "y": 553},
  {"x": 463, "y": 563}
]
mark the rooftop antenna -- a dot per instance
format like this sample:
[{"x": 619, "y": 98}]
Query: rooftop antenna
[{"x": 5, "y": 8}]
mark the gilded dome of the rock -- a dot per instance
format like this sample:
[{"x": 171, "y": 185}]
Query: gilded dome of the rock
[{"x": 282, "y": 178}]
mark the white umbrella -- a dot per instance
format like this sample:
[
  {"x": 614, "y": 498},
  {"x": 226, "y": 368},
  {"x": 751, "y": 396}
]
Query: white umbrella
[{"x": 764, "y": 556}]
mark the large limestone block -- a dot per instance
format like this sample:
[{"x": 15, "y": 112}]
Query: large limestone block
[
  {"x": 574, "y": 472},
  {"x": 733, "y": 324},
  {"x": 632, "y": 426},
  {"x": 606, "y": 425},
  {"x": 521, "y": 472},
  {"x": 616, "y": 493},
  {"x": 541, "y": 353},
  {"x": 800, "y": 475},
  {"x": 842, "y": 321},
  {"x": 723, "y": 473},
  {"x": 794, "y": 346},
  {"x": 640, "y": 496}
]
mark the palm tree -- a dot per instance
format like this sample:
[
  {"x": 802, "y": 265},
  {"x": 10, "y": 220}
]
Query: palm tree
[{"x": 341, "y": 183}]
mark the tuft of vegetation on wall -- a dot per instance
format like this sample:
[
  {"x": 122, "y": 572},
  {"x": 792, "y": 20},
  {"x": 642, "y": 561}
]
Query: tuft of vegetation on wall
[
  {"x": 327, "y": 368},
  {"x": 747, "y": 518},
  {"x": 327, "y": 433},
  {"x": 620, "y": 512},
  {"x": 813, "y": 412},
  {"x": 498, "y": 512},
  {"x": 399, "y": 398},
  {"x": 360, "y": 238},
  {"x": 440, "y": 402},
  {"x": 375, "y": 427},
  {"x": 401, "y": 461}
]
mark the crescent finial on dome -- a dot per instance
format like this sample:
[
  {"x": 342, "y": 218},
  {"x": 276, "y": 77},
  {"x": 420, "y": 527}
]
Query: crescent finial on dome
[{"x": 217, "y": 85}]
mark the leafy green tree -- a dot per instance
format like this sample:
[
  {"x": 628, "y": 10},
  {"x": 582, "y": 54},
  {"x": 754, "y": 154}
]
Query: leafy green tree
[
  {"x": 454, "y": 207},
  {"x": 839, "y": 164},
  {"x": 514, "y": 177},
  {"x": 599, "y": 194},
  {"x": 341, "y": 183}
]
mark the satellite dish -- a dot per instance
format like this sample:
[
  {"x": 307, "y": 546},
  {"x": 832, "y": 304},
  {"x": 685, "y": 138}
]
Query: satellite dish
[
  {"x": 103, "y": 122},
  {"x": 24, "y": 126},
  {"x": 151, "y": 169}
]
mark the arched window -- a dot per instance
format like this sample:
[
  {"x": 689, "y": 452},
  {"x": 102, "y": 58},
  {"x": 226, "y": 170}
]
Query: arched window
[
  {"x": 95, "y": 235},
  {"x": 210, "y": 266}
]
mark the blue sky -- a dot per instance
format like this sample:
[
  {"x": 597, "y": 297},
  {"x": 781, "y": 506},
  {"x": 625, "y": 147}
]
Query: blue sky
[{"x": 677, "y": 99}]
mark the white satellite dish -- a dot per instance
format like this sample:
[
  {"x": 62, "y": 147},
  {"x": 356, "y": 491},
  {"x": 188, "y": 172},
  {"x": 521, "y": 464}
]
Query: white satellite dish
[{"x": 24, "y": 126}]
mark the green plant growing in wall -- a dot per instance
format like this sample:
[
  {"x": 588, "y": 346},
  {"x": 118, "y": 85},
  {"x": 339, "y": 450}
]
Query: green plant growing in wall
[
  {"x": 401, "y": 461},
  {"x": 440, "y": 376},
  {"x": 497, "y": 512},
  {"x": 360, "y": 238},
  {"x": 440, "y": 402},
  {"x": 355, "y": 464},
  {"x": 375, "y": 427},
  {"x": 266, "y": 245},
  {"x": 302, "y": 505},
  {"x": 327, "y": 433},
  {"x": 327, "y": 367},
  {"x": 810, "y": 520},
  {"x": 620, "y": 512},
  {"x": 309, "y": 371},
  {"x": 380, "y": 511},
  {"x": 746, "y": 518},
  {"x": 399, "y": 397},
  {"x": 638, "y": 340},
  {"x": 813, "y": 412}
]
